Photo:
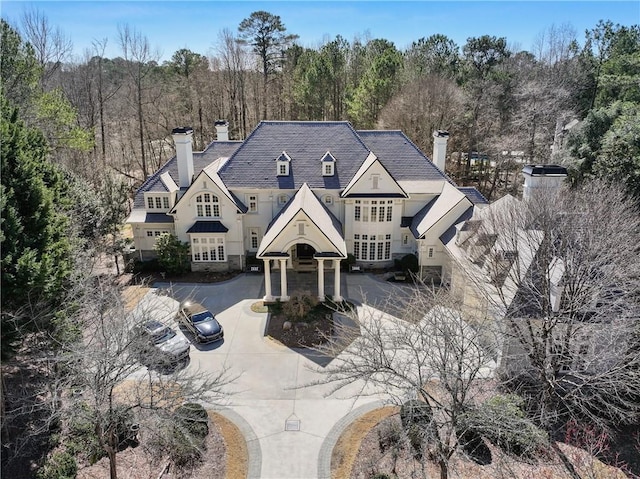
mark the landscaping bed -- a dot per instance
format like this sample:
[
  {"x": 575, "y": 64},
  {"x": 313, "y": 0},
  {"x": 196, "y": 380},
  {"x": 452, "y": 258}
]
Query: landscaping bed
[{"x": 305, "y": 331}]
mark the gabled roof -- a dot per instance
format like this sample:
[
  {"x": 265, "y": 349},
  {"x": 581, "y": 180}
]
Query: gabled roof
[
  {"x": 307, "y": 203},
  {"x": 211, "y": 172},
  {"x": 436, "y": 209},
  {"x": 201, "y": 159},
  {"x": 366, "y": 166}
]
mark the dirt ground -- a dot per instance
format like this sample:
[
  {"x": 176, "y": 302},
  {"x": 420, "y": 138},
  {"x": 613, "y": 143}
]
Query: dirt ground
[
  {"x": 358, "y": 455},
  {"x": 226, "y": 456}
]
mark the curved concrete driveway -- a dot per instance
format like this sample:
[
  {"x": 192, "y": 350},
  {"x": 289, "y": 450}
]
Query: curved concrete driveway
[{"x": 286, "y": 424}]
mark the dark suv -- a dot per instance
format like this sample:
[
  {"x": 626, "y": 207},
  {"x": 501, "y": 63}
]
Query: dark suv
[{"x": 200, "y": 322}]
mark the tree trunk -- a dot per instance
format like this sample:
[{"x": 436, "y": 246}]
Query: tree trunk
[{"x": 444, "y": 469}]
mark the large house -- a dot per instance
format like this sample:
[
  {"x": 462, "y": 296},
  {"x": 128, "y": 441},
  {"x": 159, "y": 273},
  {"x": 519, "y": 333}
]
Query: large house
[{"x": 304, "y": 195}]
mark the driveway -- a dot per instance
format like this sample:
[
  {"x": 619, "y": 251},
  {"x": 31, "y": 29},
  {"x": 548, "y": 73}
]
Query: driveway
[{"x": 290, "y": 426}]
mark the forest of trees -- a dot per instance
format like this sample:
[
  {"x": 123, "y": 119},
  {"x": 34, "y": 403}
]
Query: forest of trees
[
  {"x": 492, "y": 98},
  {"x": 80, "y": 134}
]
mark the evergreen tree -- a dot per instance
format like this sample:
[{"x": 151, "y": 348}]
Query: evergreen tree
[{"x": 36, "y": 259}]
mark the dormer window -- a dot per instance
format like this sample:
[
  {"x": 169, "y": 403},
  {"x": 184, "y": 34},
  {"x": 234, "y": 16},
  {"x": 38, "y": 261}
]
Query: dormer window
[
  {"x": 158, "y": 203},
  {"x": 282, "y": 164},
  {"x": 328, "y": 164}
]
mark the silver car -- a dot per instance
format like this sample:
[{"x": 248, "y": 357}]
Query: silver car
[{"x": 161, "y": 344}]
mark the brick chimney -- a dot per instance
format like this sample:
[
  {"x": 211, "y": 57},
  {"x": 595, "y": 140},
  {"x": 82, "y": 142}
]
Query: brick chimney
[
  {"x": 541, "y": 179},
  {"x": 222, "y": 130},
  {"x": 440, "y": 138},
  {"x": 184, "y": 154}
]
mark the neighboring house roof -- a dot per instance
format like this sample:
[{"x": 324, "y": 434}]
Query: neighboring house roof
[
  {"x": 307, "y": 203},
  {"x": 208, "y": 227},
  {"x": 159, "y": 181}
]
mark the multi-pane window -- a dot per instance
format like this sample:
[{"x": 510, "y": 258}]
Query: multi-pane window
[
  {"x": 282, "y": 200},
  {"x": 157, "y": 202},
  {"x": 253, "y": 238},
  {"x": 377, "y": 212},
  {"x": 207, "y": 205},
  {"x": 430, "y": 252},
  {"x": 328, "y": 169},
  {"x": 208, "y": 249},
  {"x": 372, "y": 247},
  {"x": 282, "y": 169},
  {"x": 252, "y": 201}
]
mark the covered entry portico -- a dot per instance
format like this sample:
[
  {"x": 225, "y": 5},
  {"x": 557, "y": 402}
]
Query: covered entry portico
[{"x": 304, "y": 220}]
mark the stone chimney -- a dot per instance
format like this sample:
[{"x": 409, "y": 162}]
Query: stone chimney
[
  {"x": 184, "y": 154},
  {"x": 440, "y": 138},
  {"x": 541, "y": 179},
  {"x": 222, "y": 130}
]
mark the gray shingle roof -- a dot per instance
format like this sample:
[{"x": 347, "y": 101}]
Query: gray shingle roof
[
  {"x": 252, "y": 165},
  {"x": 474, "y": 195},
  {"x": 400, "y": 156},
  {"x": 200, "y": 160}
]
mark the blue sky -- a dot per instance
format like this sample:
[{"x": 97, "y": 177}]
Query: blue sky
[{"x": 171, "y": 25}]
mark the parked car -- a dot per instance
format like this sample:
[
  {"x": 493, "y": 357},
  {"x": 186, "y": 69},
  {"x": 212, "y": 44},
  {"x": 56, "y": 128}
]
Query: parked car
[
  {"x": 161, "y": 344},
  {"x": 200, "y": 322}
]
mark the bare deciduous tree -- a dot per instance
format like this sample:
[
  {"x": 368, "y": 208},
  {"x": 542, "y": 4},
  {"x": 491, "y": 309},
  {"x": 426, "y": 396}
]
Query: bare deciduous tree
[
  {"x": 52, "y": 47},
  {"x": 434, "y": 353},
  {"x": 562, "y": 268},
  {"x": 108, "y": 387}
]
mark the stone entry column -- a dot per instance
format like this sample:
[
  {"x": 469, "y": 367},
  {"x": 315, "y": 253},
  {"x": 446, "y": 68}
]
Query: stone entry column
[
  {"x": 267, "y": 281},
  {"x": 283, "y": 280},
  {"x": 320, "y": 279},
  {"x": 336, "y": 281}
]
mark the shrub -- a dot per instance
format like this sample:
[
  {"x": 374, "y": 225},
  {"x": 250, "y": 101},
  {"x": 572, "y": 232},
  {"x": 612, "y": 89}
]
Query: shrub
[
  {"x": 299, "y": 305},
  {"x": 409, "y": 263},
  {"x": 60, "y": 465},
  {"x": 182, "y": 436},
  {"x": 151, "y": 266},
  {"x": 502, "y": 421},
  {"x": 173, "y": 254},
  {"x": 390, "y": 436},
  {"x": 416, "y": 419}
]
